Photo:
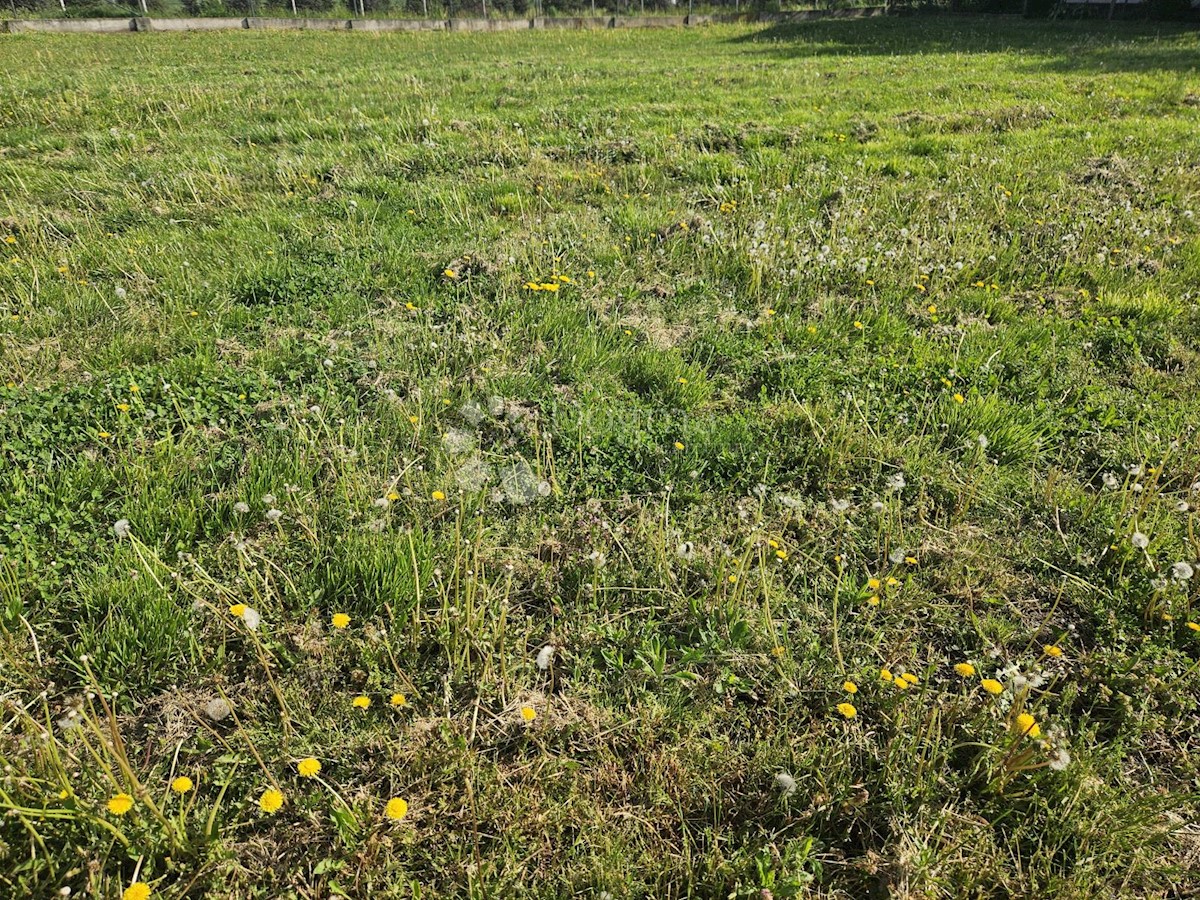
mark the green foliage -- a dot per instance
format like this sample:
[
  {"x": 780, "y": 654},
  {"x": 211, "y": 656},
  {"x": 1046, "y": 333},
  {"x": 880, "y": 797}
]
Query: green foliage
[{"x": 733, "y": 364}]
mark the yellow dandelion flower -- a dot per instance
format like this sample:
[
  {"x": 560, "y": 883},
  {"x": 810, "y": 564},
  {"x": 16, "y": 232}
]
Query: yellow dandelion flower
[
  {"x": 396, "y": 809},
  {"x": 528, "y": 713},
  {"x": 892, "y": 582},
  {"x": 340, "y": 620},
  {"x": 733, "y": 579},
  {"x": 874, "y": 584},
  {"x": 885, "y": 675},
  {"x": 270, "y": 801},
  {"x": 104, "y": 435},
  {"x": 123, "y": 407},
  {"x": 182, "y": 784},
  {"x": 1052, "y": 650},
  {"x": 398, "y": 700},
  {"x": 911, "y": 560},
  {"x": 139, "y": 890},
  {"x": 900, "y": 683},
  {"x": 849, "y": 687},
  {"x": 782, "y": 554},
  {"x": 238, "y": 610},
  {"x": 1195, "y": 626},
  {"x": 679, "y": 445},
  {"x": 449, "y": 273},
  {"x": 308, "y": 767},
  {"x": 992, "y": 686},
  {"x": 361, "y": 702},
  {"x": 873, "y": 600},
  {"x": 966, "y": 670},
  {"x": 438, "y": 495},
  {"x": 959, "y": 398},
  {"x": 120, "y": 804},
  {"x": 134, "y": 389},
  {"x": 1027, "y": 725},
  {"x": 909, "y": 677},
  {"x": 859, "y": 325},
  {"x": 847, "y": 710},
  {"x": 413, "y": 419}
]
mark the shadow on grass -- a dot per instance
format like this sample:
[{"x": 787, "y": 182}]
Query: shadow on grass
[{"x": 1050, "y": 46}]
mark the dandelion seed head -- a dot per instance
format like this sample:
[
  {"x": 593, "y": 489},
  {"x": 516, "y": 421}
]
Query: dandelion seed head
[
  {"x": 1140, "y": 540},
  {"x": 786, "y": 784},
  {"x": 545, "y": 657},
  {"x": 241, "y": 507},
  {"x": 1060, "y": 758},
  {"x": 217, "y": 709},
  {"x": 122, "y": 529},
  {"x": 1182, "y": 571},
  {"x": 251, "y": 618}
]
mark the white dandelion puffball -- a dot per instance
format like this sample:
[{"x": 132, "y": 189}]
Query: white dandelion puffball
[
  {"x": 122, "y": 529},
  {"x": 217, "y": 709},
  {"x": 1110, "y": 480},
  {"x": 896, "y": 482},
  {"x": 545, "y": 657},
  {"x": 786, "y": 784},
  {"x": 1060, "y": 759},
  {"x": 252, "y": 618},
  {"x": 1182, "y": 571},
  {"x": 1140, "y": 540},
  {"x": 241, "y": 507},
  {"x": 274, "y": 515}
]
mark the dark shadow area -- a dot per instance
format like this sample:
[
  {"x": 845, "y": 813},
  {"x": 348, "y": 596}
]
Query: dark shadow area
[{"x": 1060, "y": 46}]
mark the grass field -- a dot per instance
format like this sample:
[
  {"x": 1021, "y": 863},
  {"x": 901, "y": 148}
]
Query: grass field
[{"x": 716, "y": 463}]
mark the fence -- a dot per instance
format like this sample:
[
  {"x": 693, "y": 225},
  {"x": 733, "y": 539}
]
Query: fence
[{"x": 143, "y": 23}]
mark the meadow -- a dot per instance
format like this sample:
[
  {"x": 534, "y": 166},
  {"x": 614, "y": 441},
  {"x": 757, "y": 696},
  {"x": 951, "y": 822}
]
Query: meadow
[{"x": 728, "y": 462}]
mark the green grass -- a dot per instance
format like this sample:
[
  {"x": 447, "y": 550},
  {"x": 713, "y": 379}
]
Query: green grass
[{"x": 911, "y": 299}]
